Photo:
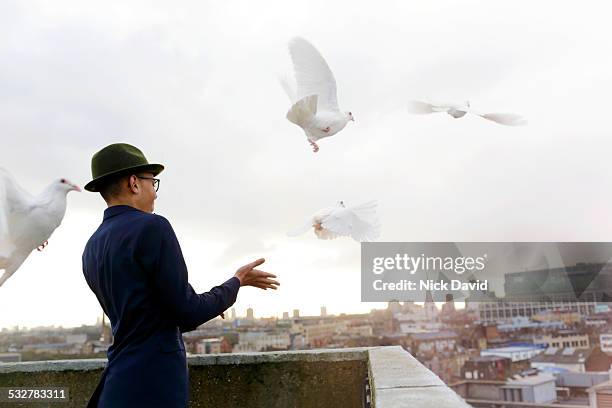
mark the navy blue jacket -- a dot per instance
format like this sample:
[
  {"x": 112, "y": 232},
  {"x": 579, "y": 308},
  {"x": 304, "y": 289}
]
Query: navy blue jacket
[{"x": 134, "y": 265}]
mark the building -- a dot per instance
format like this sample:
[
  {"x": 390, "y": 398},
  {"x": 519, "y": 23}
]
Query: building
[
  {"x": 566, "y": 317},
  {"x": 584, "y": 282},
  {"x": 489, "y": 368},
  {"x": 80, "y": 338},
  {"x": 530, "y": 388},
  {"x": 578, "y": 383},
  {"x": 562, "y": 338},
  {"x": 262, "y": 341},
  {"x": 362, "y": 330},
  {"x": 514, "y": 353},
  {"x": 320, "y": 334},
  {"x": 54, "y": 348},
  {"x": 503, "y": 311},
  {"x": 600, "y": 395},
  {"x": 296, "y": 313},
  {"x": 537, "y": 389},
  {"x": 524, "y": 323},
  {"x": 428, "y": 344},
  {"x": 209, "y": 346},
  {"x": 10, "y": 357},
  {"x": 578, "y": 360},
  {"x": 605, "y": 342},
  {"x": 250, "y": 315},
  {"x": 394, "y": 306},
  {"x": 576, "y": 289}
]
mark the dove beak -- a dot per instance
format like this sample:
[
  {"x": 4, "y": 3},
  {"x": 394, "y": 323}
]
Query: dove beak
[{"x": 76, "y": 188}]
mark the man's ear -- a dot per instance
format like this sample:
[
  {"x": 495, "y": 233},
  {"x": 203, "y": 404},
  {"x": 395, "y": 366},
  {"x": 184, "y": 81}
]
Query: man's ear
[{"x": 133, "y": 184}]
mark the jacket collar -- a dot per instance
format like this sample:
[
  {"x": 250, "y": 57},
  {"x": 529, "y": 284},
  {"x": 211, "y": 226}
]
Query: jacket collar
[{"x": 116, "y": 210}]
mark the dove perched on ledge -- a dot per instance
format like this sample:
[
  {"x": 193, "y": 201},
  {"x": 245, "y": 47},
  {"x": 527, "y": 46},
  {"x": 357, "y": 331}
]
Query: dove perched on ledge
[
  {"x": 459, "y": 111},
  {"x": 315, "y": 102},
  {"x": 26, "y": 221},
  {"x": 360, "y": 222}
]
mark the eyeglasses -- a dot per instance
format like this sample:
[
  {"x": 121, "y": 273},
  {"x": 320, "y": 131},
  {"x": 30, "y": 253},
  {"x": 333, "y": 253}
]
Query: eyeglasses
[{"x": 155, "y": 181}]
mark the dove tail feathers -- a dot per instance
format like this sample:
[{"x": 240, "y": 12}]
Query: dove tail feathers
[
  {"x": 303, "y": 110},
  {"x": 4, "y": 277},
  {"x": 11, "y": 265}
]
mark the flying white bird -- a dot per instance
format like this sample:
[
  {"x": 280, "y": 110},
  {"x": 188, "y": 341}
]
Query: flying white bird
[
  {"x": 359, "y": 222},
  {"x": 459, "y": 111},
  {"x": 315, "y": 101},
  {"x": 26, "y": 221}
]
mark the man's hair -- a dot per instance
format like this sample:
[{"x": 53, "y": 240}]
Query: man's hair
[{"x": 111, "y": 186}]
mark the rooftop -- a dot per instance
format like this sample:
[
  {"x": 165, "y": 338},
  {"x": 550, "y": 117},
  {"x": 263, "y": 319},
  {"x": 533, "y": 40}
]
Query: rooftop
[{"x": 568, "y": 355}]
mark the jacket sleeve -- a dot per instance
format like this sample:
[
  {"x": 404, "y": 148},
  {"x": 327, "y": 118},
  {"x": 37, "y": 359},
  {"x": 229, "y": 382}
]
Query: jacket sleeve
[{"x": 170, "y": 280}]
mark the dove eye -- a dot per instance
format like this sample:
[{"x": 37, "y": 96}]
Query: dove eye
[{"x": 63, "y": 180}]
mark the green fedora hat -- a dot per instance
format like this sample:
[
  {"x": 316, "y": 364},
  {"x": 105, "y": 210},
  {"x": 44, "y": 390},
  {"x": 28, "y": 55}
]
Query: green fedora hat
[{"x": 116, "y": 159}]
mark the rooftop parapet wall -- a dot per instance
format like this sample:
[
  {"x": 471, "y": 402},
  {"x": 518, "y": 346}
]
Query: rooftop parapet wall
[{"x": 308, "y": 378}]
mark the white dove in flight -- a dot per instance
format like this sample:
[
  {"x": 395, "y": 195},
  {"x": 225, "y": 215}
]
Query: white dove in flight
[
  {"x": 460, "y": 110},
  {"x": 315, "y": 102},
  {"x": 360, "y": 222},
  {"x": 26, "y": 221}
]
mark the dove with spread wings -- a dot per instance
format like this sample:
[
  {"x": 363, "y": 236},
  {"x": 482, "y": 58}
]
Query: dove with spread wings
[
  {"x": 359, "y": 222},
  {"x": 460, "y": 110}
]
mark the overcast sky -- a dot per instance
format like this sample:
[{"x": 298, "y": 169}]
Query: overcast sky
[{"x": 193, "y": 84}]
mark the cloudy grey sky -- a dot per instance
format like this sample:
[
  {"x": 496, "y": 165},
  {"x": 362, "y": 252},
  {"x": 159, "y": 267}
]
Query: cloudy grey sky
[{"x": 194, "y": 85}]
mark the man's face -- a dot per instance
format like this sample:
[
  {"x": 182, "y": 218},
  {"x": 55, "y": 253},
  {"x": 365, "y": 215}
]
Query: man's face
[{"x": 146, "y": 194}]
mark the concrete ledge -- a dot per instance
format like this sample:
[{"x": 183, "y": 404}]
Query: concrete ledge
[
  {"x": 331, "y": 355},
  {"x": 398, "y": 379},
  {"x": 85, "y": 364},
  {"x": 346, "y": 354}
]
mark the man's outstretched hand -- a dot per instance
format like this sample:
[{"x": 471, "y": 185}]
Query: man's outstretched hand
[{"x": 249, "y": 276}]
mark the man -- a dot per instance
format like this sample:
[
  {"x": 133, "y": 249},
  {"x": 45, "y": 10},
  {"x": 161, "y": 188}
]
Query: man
[{"x": 134, "y": 265}]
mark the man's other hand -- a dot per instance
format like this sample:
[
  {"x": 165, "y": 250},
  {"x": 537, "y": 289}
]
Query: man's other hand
[{"x": 249, "y": 276}]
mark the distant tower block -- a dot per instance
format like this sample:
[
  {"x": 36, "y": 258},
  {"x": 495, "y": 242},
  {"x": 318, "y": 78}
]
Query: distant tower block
[
  {"x": 323, "y": 311},
  {"x": 449, "y": 305},
  {"x": 106, "y": 332},
  {"x": 249, "y": 315},
  {"x": 233, "y": 313},
  {"x": 285, "y": 315},
  {"x": 296, "y": 313},
  {"x": 431, "y": 311},
  {"x": 394, "y": 306}
]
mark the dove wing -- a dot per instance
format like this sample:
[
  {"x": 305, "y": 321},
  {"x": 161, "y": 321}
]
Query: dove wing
[
  {"x": 358, "y": 222},
  {"x": 313, "y": 75},
  {"x": 14, "y": 201},
  {"x": 508, "y": 119},
  {"x": 300, "y": 230},
  {"x": 288, "y": 88},
  {"x": 366, "y": 226},
  {"x": 423, "y": 108},
  {"x": 339, "y": 222}
]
